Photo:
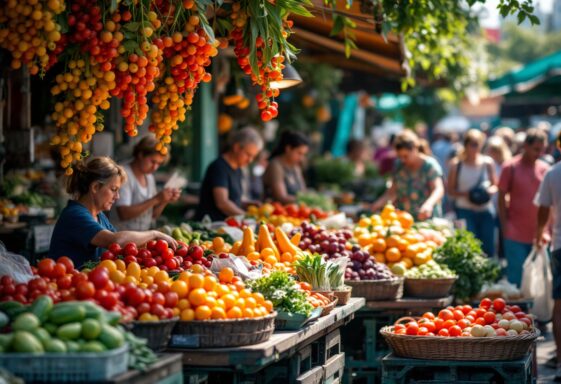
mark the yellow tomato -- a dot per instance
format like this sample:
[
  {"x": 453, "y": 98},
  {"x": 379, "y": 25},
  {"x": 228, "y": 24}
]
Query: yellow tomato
[
  {"x": 109, "y": 264},
  {"x": 121, "y": 266},
  {"x": 133, "y": 269}
]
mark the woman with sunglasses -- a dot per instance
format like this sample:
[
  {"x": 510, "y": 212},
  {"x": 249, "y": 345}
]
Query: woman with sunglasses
[
  {"x": 416, "y": 185},
  {"x": 472, "y": 181}
]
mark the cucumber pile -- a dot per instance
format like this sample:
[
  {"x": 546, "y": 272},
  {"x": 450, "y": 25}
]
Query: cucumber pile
[{"x": 65, "y": 327}]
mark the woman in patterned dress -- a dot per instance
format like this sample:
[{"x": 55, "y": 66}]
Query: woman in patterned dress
[{"x": 416, "y": 183}]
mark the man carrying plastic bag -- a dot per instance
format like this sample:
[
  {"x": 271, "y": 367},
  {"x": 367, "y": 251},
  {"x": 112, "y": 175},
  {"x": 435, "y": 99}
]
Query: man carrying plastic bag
[{"x": 548, "y": 199}]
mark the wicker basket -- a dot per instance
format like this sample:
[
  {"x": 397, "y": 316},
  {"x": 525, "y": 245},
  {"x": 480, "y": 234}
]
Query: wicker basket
[
  {"x": 428, "y": 288},
  {"x": 226, "y": 333},
  {"x": 377, "y": 290},
  {"x": 329, "y": 307},
  {"x": 157, "y": 333},
  {"x": 459, "y": 348},
  {"x": 343, "y": 295}
]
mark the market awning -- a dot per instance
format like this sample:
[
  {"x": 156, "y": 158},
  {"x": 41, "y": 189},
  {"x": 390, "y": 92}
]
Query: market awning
[
  {"x": 528, "y": 77},
  {"x": 374, "y": 54}
]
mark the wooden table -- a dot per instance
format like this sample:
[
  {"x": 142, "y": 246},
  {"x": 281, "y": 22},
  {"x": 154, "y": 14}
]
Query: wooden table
[{"x": 247, "y": 360}]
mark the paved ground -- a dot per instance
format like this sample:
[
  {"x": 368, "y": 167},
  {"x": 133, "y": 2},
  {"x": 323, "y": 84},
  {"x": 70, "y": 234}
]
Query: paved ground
[{"x": 546, "y": 349}]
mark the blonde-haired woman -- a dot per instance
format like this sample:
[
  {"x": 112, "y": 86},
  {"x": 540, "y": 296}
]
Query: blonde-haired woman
[
  {"x": 472, "y": 181},
  {"x": 83, "y": 230},
  {"x": 140, "y": 203},
  {"x": 497, "y": 149}
]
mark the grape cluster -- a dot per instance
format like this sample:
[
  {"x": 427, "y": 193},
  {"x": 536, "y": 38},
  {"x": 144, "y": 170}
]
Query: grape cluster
[
  {"x": 28, "y": 29},
  {"x": 329, "y": 244}
]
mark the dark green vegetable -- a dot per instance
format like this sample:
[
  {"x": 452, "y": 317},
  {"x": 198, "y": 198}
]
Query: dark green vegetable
[
  {"x": 283, "y": 291},
  {"x": 462, "y": 254},
  {"x": 141, "y": 356}
]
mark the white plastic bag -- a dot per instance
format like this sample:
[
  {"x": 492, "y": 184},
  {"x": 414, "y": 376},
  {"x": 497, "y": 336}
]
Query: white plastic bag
[
  {"x": 537, "y": 283},
  {"x": 15, "y": 266}
]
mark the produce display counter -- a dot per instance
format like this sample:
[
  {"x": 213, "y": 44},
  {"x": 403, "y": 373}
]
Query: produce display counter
[
  {"x": 311, "y": 353},
  {"x": 363, "y": 345}
]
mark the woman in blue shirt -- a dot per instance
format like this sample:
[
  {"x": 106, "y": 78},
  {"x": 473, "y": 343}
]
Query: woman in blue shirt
[{"x": 83, "y": 230}]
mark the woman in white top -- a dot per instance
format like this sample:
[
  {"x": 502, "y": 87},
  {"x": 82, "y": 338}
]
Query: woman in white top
[
  {"x": 468, "y": 171},
  {"x": 139, "y": 201}
]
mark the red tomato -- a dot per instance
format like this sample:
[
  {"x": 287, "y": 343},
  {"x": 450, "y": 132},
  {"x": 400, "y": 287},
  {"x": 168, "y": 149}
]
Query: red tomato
[
  {"x": 171, "y": 264},
  {"x": 22, "y": 289},
  {"x": 85, "y": 290},
  {"x": 499, "y": 304},
  {"x": 168, "y": 254},
  {"x": 181, "y": 251},
  {"x": 110, "y": 286},
  {"x": 172, "y": 298},
  {"x": 59, "y": 270},
  {"x": 66, "y": 295},
  {"x": 412, "y": 328},
  {"x": 480, "y": 312},
  {"x": 423, "y": 331},
  {"x": 7, "y": 280},
  {"x": 150, "y": 262},
  {"x": 429, "y": 325},
  {"x": 130, "y": 259},
  {"x": 489, "y": 317},
  {"x": 151, "y": 245},
  {"x": 438, "y": 323},
  {"x": 78, "y": 278},
  {"x": 68, "y": 263},
  {"x": 158, "y": 310},
  {"x": 143, "y": 308},
  {"x": 144, "y": 254},
  {"x": 21, "y": 298},
  {"x": 196, "y": 252},
  {"x": 400, "y": 332},
  {"x": 449, "y": 323},
  {"x": 495, "y": 325},
  {"x": 480, "y": 321},
  {"x": 397, "y": 327},
  {"x": 429, "y": 315},
  {"x": 99, "y": 276},
  {"x": 130, "y": 250},
  {"x": 444, "y": 332},
  {"x": 161, "y": 246},
  {"x": 109, "y": 301},
  {"x": 466, "y": 309},
  {"x": 485, "y": 303},
  {"x": 455, "y": 331},
  {"x": 37, "y": 284},
  {"x": 464, "y": 323},
  {"x": 115, "y": 249},
  {"x": 526, "y": 320},
  {"x": 100, "y": 294},
  {"x": 107, "y": 255},
  {"x": 158, "y": 298},
  {"x": 135, "y": 296},
  {"x": 446, "y": 314},
  {"x": 64, "y": 282},
  {"x": 45, "y": 267},
  {"x": 164, "y": 287},
  {"x": 515, "y": 308},
  {"x": 458, "y": 315}
]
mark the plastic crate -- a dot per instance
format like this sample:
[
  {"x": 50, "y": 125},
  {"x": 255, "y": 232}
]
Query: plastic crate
[
  {"x": 66, "y": 367},
  {"x": 397, "y": 370}
]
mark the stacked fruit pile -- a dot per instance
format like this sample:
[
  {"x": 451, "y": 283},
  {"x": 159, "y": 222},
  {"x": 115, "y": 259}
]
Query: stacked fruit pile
[
  {"x": 278, "y": 214},
  {"x": 391, "y": 238},
  {"x": 491, "y": 318}
]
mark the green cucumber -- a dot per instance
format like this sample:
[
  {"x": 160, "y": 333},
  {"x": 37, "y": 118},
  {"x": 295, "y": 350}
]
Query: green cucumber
[
  {"x": 26, "y": 322},
  {"x": 55, "y": 346},
  {"x": 41, "y": 307},
  {"x": 93, "y": 346},
  {"x": 91, "y": 329},
  {"x": 111, "y": 337},
  {"x": 70, "y": 331},
  {"x": 25, "y": 342},
  {"x": 67, "y": 314}
]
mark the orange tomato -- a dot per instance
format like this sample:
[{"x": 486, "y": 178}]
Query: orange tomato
[
  {"x": 226, "y": 275},
  {"x": 161, "y": 276},
  {"x": 202, "y": 312},
  {"x": 197, "y": 296},
  {"x": 180, "y": 287},
  {"x": 209, "y": 283},
  {"x": 218, "y": 313},
  {"x": 392, "y": 254},
  {"x": 187, "y": 315},
  {"x": 379, "y": 245},
  {"x": 229, "y": 300},
  {"x": 234, "y": 313},
  {"x": 196, "y": 280},
  {"x": 393, "y": 241}
]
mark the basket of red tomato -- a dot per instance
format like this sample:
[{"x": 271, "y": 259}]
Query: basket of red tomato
[{"x": 492, "y": 331}]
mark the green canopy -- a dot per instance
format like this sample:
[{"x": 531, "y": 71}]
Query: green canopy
[{"x": 529, "y": 76}]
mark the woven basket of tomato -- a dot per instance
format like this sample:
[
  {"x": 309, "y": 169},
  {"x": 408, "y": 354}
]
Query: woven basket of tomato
[
  {"x": 493, "y": 331},
  {"x": 156, "y": 333}
]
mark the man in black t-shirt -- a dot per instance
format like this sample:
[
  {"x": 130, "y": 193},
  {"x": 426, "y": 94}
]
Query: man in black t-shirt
[{"x": 221, "y": 191}]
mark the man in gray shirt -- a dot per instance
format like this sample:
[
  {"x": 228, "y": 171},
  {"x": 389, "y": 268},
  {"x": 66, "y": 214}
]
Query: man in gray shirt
[{"x": 548, "y": 199}]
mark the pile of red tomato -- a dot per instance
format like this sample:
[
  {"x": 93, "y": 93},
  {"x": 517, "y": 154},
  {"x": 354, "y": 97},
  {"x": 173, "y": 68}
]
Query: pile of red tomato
[
  {"x": 458, "y": 321},
  {"x": 62, "y": 282},
  {"x": 159, "y": 254}
]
